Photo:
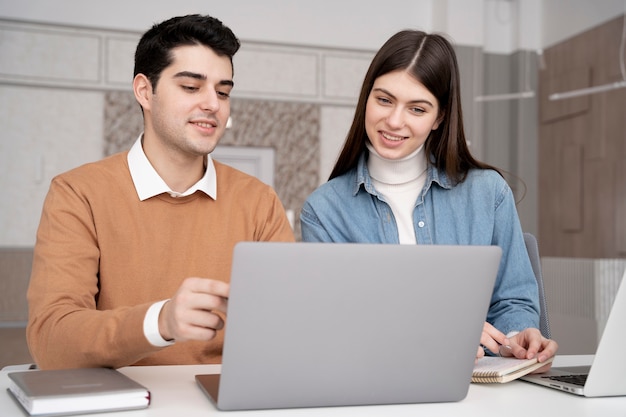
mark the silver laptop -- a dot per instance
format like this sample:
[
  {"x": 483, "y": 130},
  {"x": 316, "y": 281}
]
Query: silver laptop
[
  {"x": 607, "y": 374},
  {"x": 314, "y": 324}
]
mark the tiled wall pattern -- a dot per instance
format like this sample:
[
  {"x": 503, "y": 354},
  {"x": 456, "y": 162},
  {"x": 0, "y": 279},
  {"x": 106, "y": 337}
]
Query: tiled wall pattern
[
  {"x": 292, "y": 129},
  {"x": 123, "y": 121}
]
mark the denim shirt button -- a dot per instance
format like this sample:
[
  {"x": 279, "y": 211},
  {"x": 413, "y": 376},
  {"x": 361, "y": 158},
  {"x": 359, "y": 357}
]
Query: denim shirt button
[{"x": 420, "y": 224}]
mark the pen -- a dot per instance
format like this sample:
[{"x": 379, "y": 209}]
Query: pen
[{"x": 499, "y": 353}]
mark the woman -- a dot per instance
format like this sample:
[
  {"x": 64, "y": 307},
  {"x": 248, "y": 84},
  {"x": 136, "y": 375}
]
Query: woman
[{"x": 405, "y": 175}]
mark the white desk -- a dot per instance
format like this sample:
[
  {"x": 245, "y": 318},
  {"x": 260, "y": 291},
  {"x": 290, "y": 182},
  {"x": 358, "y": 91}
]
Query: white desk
[{"x": 175, "y": 393}]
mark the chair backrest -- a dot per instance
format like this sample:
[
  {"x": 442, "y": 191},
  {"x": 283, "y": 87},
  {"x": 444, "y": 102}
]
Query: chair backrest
[{"x": 533, "y": 253}]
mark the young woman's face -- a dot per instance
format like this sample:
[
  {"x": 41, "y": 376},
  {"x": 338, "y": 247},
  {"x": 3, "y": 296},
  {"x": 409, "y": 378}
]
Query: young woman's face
[{"x": 400, "y": 114}]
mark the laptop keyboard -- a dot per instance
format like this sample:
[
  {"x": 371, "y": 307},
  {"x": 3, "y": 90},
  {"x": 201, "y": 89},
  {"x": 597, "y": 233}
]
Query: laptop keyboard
[{"x": 572, "y": 379}]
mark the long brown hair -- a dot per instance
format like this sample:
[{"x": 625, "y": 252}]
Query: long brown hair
[{"x": 431, "y": 60}]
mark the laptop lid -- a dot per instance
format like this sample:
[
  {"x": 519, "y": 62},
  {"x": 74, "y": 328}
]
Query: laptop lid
[
  {"x": 329, "y": 324},
  {"x": 607, "y": 374}
]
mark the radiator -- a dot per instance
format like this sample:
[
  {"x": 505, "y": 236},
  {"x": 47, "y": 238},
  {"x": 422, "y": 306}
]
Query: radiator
[{"x": 581, "y": 291}]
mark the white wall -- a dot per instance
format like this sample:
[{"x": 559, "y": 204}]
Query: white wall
[
  {"x": 498, "y": 25},
  {"x": 345, "y": 23},
  {"x": 504, "y": 26},
  {"x": 563, "y": 19},
  {"x": 30, "y": 152}
]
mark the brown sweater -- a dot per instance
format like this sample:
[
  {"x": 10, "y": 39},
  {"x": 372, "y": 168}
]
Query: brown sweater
[{"x": 102, "y": 257}]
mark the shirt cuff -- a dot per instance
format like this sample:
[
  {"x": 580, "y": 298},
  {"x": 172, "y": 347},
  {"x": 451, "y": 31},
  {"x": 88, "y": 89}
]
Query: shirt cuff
[{"x": 151, "y": 326}]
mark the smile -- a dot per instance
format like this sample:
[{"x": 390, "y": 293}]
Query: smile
[
  {"x": 205, "y": 125},
  {"x": 392, "y": 137}
]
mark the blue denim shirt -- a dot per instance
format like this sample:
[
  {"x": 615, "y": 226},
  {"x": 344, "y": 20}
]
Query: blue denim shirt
[{"x": 479, "y": 211}]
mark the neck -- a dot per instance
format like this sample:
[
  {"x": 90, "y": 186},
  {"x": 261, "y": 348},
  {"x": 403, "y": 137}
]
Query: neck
[{"x": 178, "y": 171}]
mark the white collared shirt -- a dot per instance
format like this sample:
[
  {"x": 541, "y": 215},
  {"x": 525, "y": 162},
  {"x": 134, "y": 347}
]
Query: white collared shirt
[{"x": 148, "y": 184}]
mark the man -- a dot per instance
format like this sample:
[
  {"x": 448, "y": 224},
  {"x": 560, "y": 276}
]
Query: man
[{"x": 133, "y": 252}]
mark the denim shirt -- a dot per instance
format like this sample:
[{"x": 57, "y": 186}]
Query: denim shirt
[{"x": 479, "y": 211}]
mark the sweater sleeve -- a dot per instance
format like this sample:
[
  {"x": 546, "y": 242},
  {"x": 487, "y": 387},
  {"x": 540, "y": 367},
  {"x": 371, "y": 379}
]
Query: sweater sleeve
[{"x": 65, "y": 328}]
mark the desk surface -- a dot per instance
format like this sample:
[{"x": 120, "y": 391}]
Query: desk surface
[{"x": 174, "y": 392}]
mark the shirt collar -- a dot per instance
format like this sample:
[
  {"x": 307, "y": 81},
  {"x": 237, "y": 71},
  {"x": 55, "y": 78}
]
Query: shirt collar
[{"x": 148, "y": 183}]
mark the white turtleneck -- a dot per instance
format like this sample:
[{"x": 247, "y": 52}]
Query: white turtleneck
[{"x": 400, "y": 181}]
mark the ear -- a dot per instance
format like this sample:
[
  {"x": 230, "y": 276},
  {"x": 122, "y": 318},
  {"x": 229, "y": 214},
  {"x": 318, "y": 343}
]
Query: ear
[{"x": 143, "y": 91}]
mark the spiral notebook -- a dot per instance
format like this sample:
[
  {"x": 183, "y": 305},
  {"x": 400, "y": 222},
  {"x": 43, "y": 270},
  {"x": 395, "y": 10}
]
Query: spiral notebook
[{"x": 497, "y": 369}]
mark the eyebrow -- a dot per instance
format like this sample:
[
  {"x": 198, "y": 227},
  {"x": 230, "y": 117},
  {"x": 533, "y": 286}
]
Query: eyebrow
[
  {"x": 200, "y": 77},
  {"x": 418, "y": 101}
]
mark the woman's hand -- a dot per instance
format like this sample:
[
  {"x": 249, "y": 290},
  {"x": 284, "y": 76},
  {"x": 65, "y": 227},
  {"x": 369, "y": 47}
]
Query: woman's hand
[{"x": 528, "y": 344}]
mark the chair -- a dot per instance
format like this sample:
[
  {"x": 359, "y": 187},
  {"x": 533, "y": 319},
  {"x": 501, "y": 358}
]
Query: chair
[{"x": 533, "y": 253}]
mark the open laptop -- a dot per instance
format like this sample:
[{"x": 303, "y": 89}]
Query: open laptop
[
  {"x": 607, "y": 374},
  {"x": 330, "y": 324}
]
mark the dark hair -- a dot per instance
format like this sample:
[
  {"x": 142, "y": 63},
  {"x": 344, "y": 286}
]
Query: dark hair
[
  {"x": 431, "y": 60},
  {"x": 154, "y": 50}
]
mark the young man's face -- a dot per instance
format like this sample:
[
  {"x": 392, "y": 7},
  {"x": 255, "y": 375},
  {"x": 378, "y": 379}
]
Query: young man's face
[{"x": 188, "y": 110}]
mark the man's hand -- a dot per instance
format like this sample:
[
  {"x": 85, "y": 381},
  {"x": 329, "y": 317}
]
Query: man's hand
[{"x": 191, "y": 313}]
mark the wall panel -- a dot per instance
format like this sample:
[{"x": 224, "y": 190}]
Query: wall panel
[{"x": 581, "y": 144}]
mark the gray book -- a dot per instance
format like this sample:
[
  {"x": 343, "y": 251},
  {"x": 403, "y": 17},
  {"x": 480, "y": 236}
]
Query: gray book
[{"x": 76, "y": 391}]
